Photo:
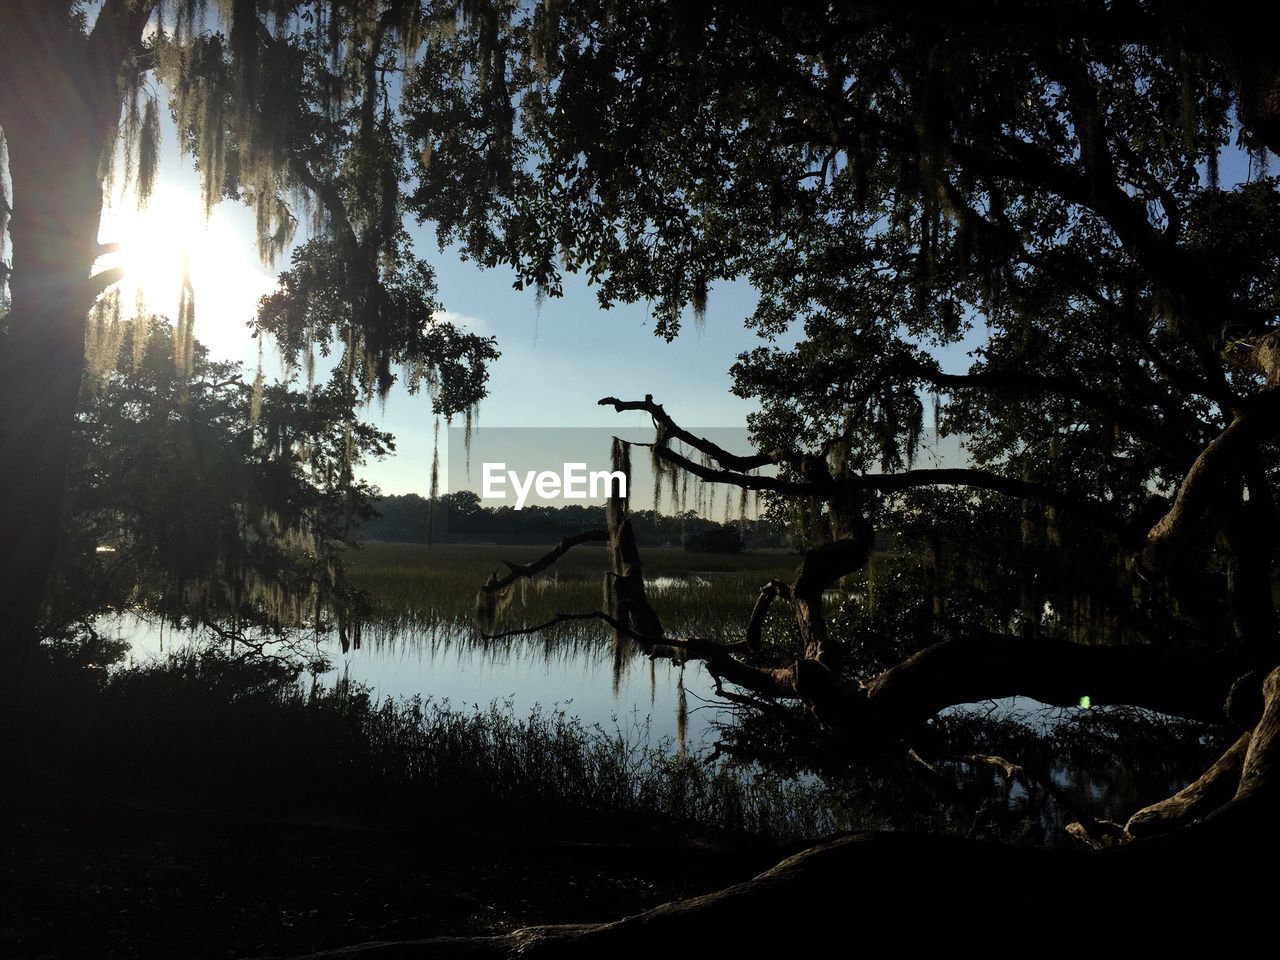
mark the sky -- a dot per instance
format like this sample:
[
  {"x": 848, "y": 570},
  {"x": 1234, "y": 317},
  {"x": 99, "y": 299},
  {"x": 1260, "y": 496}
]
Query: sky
[{"x": 558, "y": 358}]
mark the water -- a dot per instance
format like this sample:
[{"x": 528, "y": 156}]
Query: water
[{"x": 449, "y": 666}]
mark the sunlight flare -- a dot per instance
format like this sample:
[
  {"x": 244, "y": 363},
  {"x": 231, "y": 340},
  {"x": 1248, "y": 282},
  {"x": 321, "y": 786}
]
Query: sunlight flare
[{"x": 156, "y": 243}]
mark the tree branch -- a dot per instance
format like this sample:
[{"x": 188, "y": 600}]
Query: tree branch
[
  {"x": 1056, "y": 672},
  {"x": 1211, "y": 790},
  {"x": 755, "y": 625},
  {"x": 719, "y": 657},
  {"x": 517, "y": 571},
  {"x": 1202, "y": 483},
  {"x": 723, "y": 457}
]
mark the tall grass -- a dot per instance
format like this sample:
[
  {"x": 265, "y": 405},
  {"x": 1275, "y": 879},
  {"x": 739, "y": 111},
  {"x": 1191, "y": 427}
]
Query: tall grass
[
  {"x": 200, "y": 723},
  {"x": 206, "y": 727},
  {"x": 420, "y": 592}
]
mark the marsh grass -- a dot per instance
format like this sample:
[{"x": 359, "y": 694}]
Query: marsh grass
[
  {"x": 205, "y": 728},
  {"x": 226, "y": 730},
  {"x": 418, "y": 591}
]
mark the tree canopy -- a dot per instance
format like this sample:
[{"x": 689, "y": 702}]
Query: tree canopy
[
  {"x": 195, "y": 500},
  {"x": 1037, "y": 184},
  {"x": 1042, "y": 189},
  {"x": 290, "y": 108}
]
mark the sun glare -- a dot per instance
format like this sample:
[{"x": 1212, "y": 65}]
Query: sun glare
[{"x": 155, "y": 243}]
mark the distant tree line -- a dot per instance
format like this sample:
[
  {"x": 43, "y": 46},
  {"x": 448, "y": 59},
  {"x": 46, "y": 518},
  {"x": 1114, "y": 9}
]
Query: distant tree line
[{"x": 461, "y": 518}]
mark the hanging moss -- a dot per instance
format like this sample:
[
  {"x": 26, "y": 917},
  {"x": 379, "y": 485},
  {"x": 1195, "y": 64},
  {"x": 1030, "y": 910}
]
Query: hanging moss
[
  {"x": 255, "y": 406},
  {"x": 658, "y": 464},
  {"x": 434, "y": 493},
  {"x": 6, "y": 210},
  {"x": 682, "y": 715},
  {"x": 184, "y": 335},
  {"x": 698, "y": 300},
  {"x": 467, "y": 428},
  {"x": 138, "y": 334},
  {"x": 104, "y": 334},
  {"x": 617, "y": 506}
]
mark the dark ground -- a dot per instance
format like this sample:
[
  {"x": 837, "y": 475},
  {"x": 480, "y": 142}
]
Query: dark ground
[{"x": 104, "y": 878}]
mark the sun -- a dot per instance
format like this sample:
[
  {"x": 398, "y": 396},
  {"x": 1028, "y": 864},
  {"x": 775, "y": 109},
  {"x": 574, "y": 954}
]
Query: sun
[{"x": 170, "y": 236}]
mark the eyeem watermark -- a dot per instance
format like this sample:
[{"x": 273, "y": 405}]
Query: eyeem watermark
[
  {"x": 573, "y": 482},
  {"x": 524, "y": 468}
]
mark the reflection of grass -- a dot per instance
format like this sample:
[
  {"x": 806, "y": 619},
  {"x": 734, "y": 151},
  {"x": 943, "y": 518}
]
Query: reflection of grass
[{"x": 418, "y": 589}]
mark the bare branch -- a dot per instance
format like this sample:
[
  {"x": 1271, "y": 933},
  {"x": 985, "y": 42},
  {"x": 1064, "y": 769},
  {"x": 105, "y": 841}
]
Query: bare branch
[
  {"x": 719, "y": 657},
  {"x": 822, "y": 484},
  {"x": 735, "y": 478},
  {"x": 723, "y": 457},
  {"x": 516, "y": 571}
]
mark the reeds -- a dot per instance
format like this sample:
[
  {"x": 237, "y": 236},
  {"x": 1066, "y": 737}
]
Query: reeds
[
  {"x": 428, "y": 593},
  {"x": 207, "y": 727}
]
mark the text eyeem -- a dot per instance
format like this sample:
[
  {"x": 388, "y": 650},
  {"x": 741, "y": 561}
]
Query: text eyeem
[{"x": 574, "y": 482}]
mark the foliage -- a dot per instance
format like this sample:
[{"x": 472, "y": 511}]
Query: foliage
[
  {"x": 716, "y": 539},
  {"x": 458, "y": 517},
  {"x": 892, "y": 185},
  {"x": 288, "y": 109},
  {"x": 291, "y": 111},
  {"x": 196, "y": 501}
]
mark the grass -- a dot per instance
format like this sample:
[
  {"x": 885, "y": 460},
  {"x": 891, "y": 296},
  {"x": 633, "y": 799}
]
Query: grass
[
  {"x": 206, "y": 805},
  {"x": 234, "y": 733},
  {"x": 419, "y": 590}
]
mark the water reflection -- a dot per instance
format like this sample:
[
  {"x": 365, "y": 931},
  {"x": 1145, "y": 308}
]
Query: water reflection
[
  {"x": 662, "y": 702},
  {"x": 454, "y": 665}
]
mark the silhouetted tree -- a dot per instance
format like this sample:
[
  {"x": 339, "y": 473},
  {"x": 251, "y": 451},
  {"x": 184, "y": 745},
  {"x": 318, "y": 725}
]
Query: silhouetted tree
[
  {"x": 193, "y": 499},
  {"x": 287, "y": 107},
  {"x": 895, "y": 177}
]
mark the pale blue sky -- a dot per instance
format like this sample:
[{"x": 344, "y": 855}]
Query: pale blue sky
[{"x": 558, "y": 361}]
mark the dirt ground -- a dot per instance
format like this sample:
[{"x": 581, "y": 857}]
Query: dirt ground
[{"x": 93, "y": 878}]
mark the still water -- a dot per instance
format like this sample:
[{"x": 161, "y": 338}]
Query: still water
[
  {"x": 448, "y": 666},
  {"x": 641, "y": 701}
]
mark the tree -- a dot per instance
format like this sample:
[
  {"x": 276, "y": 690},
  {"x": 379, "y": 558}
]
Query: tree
[
  {"x": 287, "y": 107},
  {"x": 719, "y": 539},
  {"x": 891, "y": 178},
  {"x": 193, "y": 500}
]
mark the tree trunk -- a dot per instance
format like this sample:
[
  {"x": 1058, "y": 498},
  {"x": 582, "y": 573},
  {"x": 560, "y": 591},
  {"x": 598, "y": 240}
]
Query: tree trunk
[
  {"x": 58, "y": 116},
  {"x": 917, "y": 891}
]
